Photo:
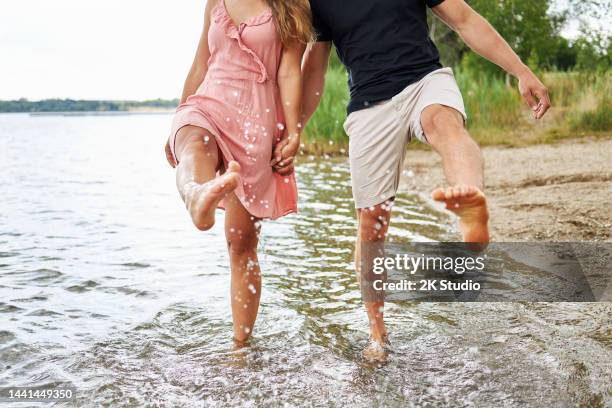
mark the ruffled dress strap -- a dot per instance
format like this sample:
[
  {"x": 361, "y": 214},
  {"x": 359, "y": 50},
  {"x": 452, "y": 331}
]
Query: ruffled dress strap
[{"x": 221, "y": 16}]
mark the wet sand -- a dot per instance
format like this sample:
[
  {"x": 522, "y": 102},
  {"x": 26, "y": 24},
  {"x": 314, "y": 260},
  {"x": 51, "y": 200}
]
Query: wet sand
[{"x": 555, "y": 192}]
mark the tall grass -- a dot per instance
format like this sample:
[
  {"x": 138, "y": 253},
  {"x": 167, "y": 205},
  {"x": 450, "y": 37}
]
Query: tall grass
[
  {"x": 488, "y": 100},
  {"x": 325, "y": 132},
  {"x": 597, "y": 120},
  {"x": 582, "y": 105}
]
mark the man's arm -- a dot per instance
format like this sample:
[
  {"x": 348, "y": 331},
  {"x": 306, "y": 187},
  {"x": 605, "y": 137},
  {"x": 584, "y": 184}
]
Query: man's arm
[
  {"x": 314, "y": 67},
  {"x": 481, "y": 37}
]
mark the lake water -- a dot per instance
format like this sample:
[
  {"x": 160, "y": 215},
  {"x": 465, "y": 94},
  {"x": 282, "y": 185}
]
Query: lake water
[{"x": 105, "y": 285}]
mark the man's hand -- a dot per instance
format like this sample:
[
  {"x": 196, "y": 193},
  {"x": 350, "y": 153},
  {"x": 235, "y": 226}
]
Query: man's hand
[
  {"x": 534, "y": 93},
  {"x": 169, "y": 155},
  {"x": 481, "y": 37},
  {"x": 284, "y": 154}
]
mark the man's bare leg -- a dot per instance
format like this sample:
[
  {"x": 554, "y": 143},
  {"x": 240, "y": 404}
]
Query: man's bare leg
[
  {"x": 196, "y": 179},
  {"x": 464, "y": 169},
  {"x": 373, "y": 228}
]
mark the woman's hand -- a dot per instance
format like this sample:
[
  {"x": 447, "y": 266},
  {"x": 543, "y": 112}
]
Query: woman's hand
[{"x": 284, "y": 155}]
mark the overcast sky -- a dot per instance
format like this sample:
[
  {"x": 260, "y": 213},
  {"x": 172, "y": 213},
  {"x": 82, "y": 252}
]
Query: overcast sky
[{"x": 92, "y": 49}]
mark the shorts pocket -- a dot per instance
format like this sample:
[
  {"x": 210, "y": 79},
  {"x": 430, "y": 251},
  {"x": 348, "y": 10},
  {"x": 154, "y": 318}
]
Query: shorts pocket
[
  {"x": 347, "y": 123},
  {"x": 405, "y": 100}
]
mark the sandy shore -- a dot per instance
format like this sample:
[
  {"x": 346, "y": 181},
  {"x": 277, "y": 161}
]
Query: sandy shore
[{"x": 556, "y": 192}]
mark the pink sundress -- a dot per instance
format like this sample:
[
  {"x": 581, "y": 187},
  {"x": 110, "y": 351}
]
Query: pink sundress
[{"x": 239, "y": 104}]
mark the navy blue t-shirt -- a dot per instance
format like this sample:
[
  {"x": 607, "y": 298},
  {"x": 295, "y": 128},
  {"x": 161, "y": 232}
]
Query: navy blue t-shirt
[{"x": 384, "y": 44}]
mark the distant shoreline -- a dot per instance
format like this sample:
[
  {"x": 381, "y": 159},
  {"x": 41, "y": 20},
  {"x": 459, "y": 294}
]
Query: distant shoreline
[
  {"x": 87, "y": 107},
  {"x": 98, "y": 113}
]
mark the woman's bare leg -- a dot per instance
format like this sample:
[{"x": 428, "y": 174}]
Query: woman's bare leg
[
  {"x": 198, "y": 156},
  {"x": 242, "y": 233}
]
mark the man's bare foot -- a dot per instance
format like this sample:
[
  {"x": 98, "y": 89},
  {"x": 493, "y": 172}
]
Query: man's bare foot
[
  {"x": 202, "y": 199},
  {"x": 470, "y": 205},
  {"x": 376, "y": 351}
]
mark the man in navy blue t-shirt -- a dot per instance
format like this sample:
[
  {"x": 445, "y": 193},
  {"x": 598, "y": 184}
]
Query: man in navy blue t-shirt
[{"x": 399, "y": 90}]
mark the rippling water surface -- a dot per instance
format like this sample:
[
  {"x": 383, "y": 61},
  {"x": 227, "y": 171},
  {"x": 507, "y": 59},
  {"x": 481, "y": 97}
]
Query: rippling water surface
[{"x": 104, "y": 284}]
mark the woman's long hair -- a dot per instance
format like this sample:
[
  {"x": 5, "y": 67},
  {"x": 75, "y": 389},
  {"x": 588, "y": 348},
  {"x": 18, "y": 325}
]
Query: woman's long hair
[{"x": 293, "y": 20}]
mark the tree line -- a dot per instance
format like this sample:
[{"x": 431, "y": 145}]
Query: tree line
[
  {"x": 71, "y": 105},
  {"x": 533, "y": 29}
]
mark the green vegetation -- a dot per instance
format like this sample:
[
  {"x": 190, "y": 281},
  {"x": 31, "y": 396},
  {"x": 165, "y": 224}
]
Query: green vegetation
[
  {"x": 325, "y": 132},
  {"x": 497, "y": 114},
  {"x": 69, "y": 105},
  {"x": 578, "y": 74},
  {"x": 598, "y": 120}
]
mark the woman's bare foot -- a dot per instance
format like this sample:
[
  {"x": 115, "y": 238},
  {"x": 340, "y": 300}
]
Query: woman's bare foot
[
  {"x": 470, "y": 205},
  {"x": 202, "y": 199}
]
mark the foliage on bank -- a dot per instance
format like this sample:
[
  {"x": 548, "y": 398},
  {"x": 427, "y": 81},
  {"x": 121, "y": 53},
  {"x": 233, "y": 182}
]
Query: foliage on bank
[
  {"x": 578, "y": 74},
  {"x": 71, "y": 105}
]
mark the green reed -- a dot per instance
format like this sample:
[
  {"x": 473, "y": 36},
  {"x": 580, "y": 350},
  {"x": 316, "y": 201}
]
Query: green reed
[{"x": 496, "y": 113}]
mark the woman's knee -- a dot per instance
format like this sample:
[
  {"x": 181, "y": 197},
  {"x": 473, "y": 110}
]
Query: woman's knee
[
  {"x": 194, "y": 141},
  {"x": 242, "y": 242}
]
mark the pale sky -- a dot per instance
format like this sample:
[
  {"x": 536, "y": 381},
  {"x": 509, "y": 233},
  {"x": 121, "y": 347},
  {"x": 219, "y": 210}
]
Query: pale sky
[{"x": 93, "y": 49}]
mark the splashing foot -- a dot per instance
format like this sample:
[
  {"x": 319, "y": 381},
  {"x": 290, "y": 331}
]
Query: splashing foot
[
  {"x": 376, "y": 351},
  {"x": 470, "y": 205},
  {"x": 202, "y": 199}
]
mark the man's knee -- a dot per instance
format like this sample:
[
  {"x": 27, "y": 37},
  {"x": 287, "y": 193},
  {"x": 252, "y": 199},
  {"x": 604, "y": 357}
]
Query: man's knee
[
  {"x": 442, "y": 123},
  {"x": 374, "y": 222}
]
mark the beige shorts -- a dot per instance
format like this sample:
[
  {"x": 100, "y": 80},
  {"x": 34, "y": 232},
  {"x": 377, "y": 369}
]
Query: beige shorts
[{"x": 378, "y": 135}]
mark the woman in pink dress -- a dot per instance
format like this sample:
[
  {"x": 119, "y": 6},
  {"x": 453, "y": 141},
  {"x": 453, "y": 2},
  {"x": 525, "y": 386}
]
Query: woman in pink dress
[{"x": 237, "y": 130}]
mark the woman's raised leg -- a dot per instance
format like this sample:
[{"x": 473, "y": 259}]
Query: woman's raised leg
[
  {"x": 242, "y": 233},
  {"x": 198, "y": 157}
]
